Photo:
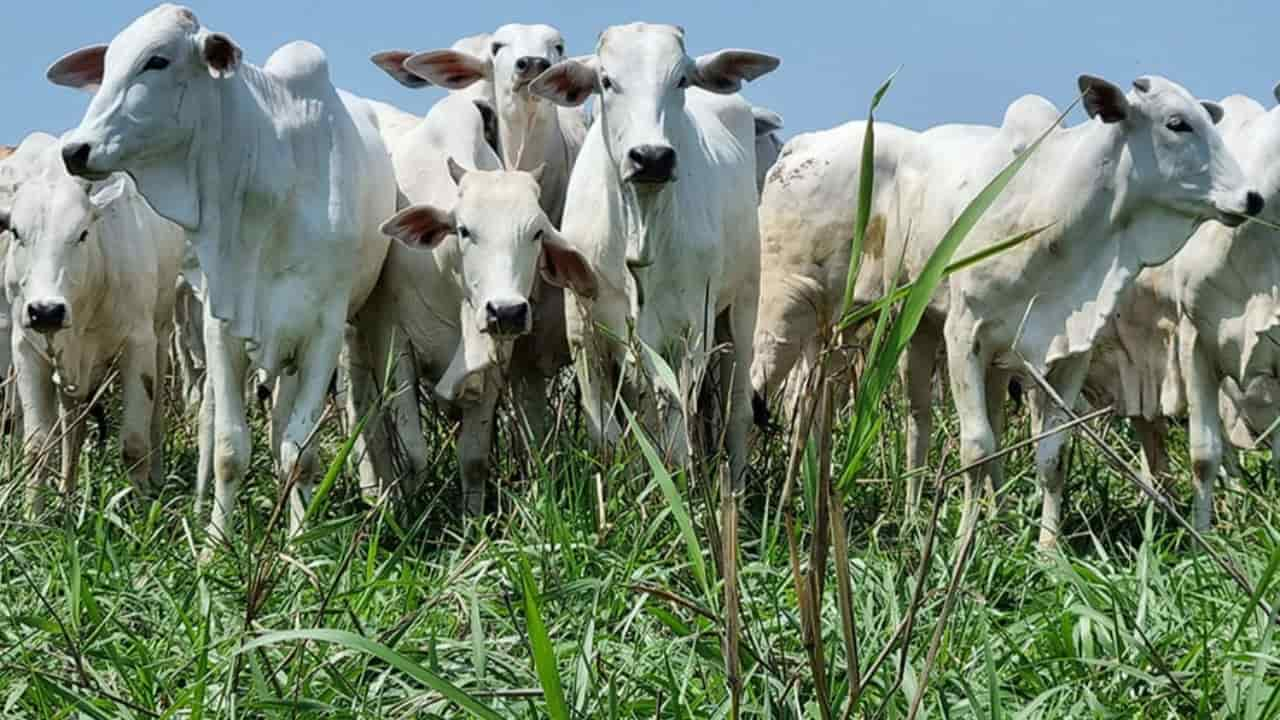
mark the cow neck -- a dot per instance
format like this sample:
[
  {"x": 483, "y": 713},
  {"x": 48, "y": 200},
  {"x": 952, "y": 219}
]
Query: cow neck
[{"x": 527, "y": 130}]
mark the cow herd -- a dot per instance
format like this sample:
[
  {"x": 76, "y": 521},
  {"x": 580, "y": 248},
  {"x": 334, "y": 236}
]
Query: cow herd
[{"x": 259, "y": 224}]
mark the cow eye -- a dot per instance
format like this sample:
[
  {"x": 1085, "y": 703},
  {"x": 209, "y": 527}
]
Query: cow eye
[
  {"x": 606, "y": 82},
  {"x": 83, "y": 236},
  {"x": 155, "y": 62},
  {"x": 16, "y": 237},
  {"x": 559, "y": 48},
  {"x": 494, "y": 48},
  {"x": 463, "y": 232},
  {"x": 1178, "y": 125},
  {"x": 537, "y": 236},
  {"x": 684, "y": 82}
]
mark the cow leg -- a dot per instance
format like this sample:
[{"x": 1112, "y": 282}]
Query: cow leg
[
  {"x": 591, "y": 352},
  {"x": 529, "y": 389},
  {"x": 315, "y": 370},
  {"x": 967, "y": 364},
  {"x": 996, "y": 392},
  {"x": 1204, "y": 429},
  {"x": 1066, "y": 379},
  {"x": 1152, "y": 435},
  {"x": 139, "y": 375},
  {"x": 204, "y": 440},
  {"x": 371, "y": 345},
  {"x": 228, "y": 366},
  {"x": 39, "y": 416},
  {"x": 917, "y": 370},
  {"x": 75, "y": 424},
  {"x": 475, "y": 438}
]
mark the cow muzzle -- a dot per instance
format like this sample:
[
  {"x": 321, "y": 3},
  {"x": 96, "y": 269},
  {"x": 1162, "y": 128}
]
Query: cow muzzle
[
  {"x": 47, "y": 316},
  {"x": 651, "y": 164},
  {"x": 528, "y": 68},
  {"x": 507, "y": 318},
  {"x": 1253, "y": 205}
]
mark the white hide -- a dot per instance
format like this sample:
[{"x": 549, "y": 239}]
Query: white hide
[{"x": 280, "y": 181}]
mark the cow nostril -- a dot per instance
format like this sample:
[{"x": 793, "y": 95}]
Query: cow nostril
[
  {"x": 522, "y": 64},
  {"x": 76, "y": 157},
  {"x": 1253, "y": 203},
  {"x": 47, "y": 315}
]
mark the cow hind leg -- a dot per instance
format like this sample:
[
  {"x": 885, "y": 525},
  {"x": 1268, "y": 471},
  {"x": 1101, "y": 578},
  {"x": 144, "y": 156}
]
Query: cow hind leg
[
  {"x": 204, "y": 440},
  {"x": 917, "y": 370},
  {"x": 967, "y": 365},
  {"x": 1067, "y": 379}
]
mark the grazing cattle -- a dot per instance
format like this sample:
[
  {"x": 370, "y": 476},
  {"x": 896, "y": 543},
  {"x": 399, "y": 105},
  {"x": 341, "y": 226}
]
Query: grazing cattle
[
  {"x": 532, "y": 133},
  {"x": 768, "y": 144},
  {"x": 662, "y": 204},
  {"x": 91, "y": 276},
  {"x": 16, "y": 165},
  {"x": 1200, "y": 335},
  {"x": 280, "y": 181},
  {"x": 480, "y": 257},
  {"x": 1116, "y": 194}
]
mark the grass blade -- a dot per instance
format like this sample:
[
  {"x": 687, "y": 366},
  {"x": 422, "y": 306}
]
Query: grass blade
[{"x": 544, "y": 654}]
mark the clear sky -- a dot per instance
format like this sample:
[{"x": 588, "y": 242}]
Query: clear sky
[{"x": 961, "y": 61}]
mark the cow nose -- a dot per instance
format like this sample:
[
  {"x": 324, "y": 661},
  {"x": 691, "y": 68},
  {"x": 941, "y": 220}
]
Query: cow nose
[
  {"x": 507, "y": 318},
  {"x": 76, "y": 157},
  {"x": 1253, "y": 203},
  {"x": 47, "y": 316},
  {"x": 531, "y": 66},
  {"x": 652, "y": 163}
]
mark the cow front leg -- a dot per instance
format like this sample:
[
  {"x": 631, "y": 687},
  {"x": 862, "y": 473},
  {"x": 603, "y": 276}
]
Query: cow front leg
[
  {"x": 36, "y": 395},
  {"x": 735, "y": 377},
  {"x": 592, "y": 353},
  {"x": 1204, "y": 431},
  {"x": 1066, "y": 379},
  {"x": 139, "y": 385},
  {"x": 74, "y": 420},
  {"x": 967, "y": 364},
  {"x": 475, "y": 438},
  {"x": 306, "y": 406},
  {"x": 227, "y": 366}
]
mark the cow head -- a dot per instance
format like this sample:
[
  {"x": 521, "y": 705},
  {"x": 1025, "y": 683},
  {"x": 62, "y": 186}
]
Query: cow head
[
  {"x": 150, "y": 84},
  {"x": 504, "y": 239},
  {"x": 54, "y": 223},
  {"x": 641, "y": 73},
  {"x": 1173, "y": 155}
]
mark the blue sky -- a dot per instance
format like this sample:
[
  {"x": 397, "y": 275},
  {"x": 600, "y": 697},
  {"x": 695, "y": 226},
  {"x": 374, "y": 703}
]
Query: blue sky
[{"x": 961, "y": 61}]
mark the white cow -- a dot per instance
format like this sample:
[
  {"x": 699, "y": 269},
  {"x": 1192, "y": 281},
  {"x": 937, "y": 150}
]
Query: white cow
[
  {"x": 532, "y": 133},
  {"x": 662, "y": 203},
  {"x": 16, "y": 165},
  {"x": 1119, "y": 193},
  {"x": 478, "y": 256},
  {"x": 91, "y": 276},
  {"x": 1200, "y": 335},
  {"x": 280, "y": 181}
]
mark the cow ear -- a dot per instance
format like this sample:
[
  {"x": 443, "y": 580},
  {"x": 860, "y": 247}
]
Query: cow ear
[
  {"x": 112, "y": 191},
  {"x": 767, "y": 121},
  {"x": 420, "y": 226},
  {"x": 565, "y": 267},
  {"x": 724, "y": 71},
  {"x": 450, "y": 69},
  {"x": 1214, "y": 109},
  {"x": 81, "y": 69},
  {"x": 1102, "y": 99},
  {"x": 1276, "y": 91},
  {"x": 456, "y": 171},
  {"x": 220, "y": 54},
  {"x": 567, "y": 83},
  {"x": 489, "y": 120},
  {"x": 392, "y": 63}
]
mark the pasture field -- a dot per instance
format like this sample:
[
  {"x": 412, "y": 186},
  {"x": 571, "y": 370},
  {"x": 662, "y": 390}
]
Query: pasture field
[{"x": 107, "y": 612}]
